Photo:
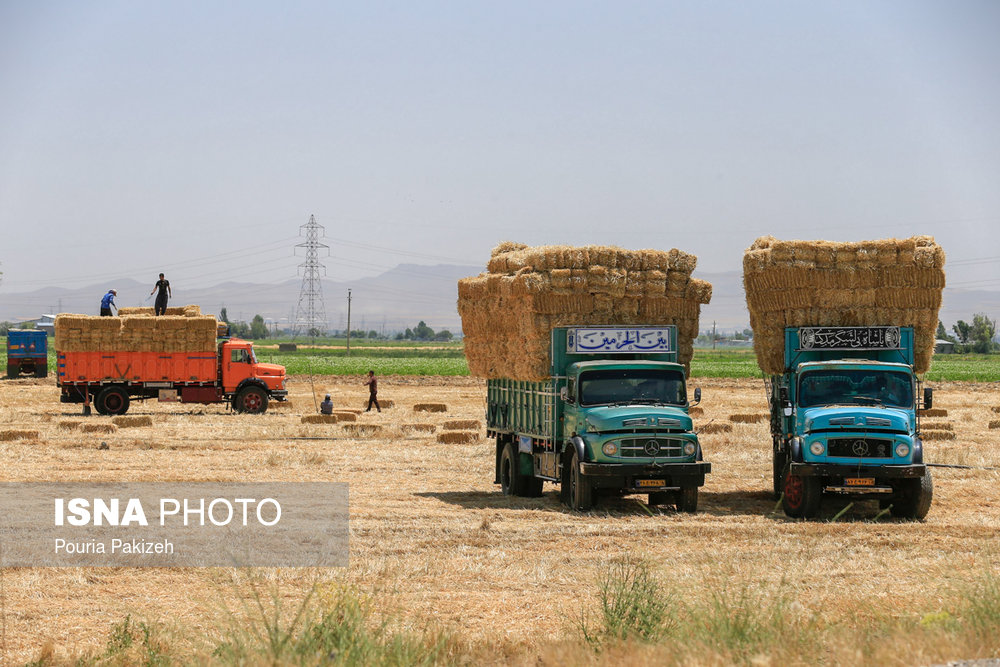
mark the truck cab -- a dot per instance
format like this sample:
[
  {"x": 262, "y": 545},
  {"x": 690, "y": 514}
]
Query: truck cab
[
  {"x": 612, "y": 418},
  {"x": 247, "y": 381},
  {"x": 849, "y": 425}
]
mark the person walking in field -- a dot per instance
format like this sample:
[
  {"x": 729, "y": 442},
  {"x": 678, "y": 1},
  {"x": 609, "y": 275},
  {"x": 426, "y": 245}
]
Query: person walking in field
[
  {"x": 372, "y": 383},
  {"x": 108, "y": 302},
  {"x": 160, "y": 306}
]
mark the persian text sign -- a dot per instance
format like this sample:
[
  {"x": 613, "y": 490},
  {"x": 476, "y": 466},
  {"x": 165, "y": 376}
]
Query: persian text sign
[
  {"x": 173, "y": 524},
  {"x": 849, "y": 338},
  {"x": 610, "y": 341}
]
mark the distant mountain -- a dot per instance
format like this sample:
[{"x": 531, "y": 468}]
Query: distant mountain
[{"x": 394, "y": 300}]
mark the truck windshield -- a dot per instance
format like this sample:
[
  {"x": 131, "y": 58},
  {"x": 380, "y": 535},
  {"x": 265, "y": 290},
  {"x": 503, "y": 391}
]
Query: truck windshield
[
  {"x": 864, "y": 387},
  {"x": 632, "y": 385}
]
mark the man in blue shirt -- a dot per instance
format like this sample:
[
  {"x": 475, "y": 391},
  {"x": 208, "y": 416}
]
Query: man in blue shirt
[{"x": 108, "y": 302}]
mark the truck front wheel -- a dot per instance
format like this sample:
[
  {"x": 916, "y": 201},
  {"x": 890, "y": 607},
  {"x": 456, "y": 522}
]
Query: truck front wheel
[
  {"x": 687, "y": 499},
  {"x": 802, "y": 495},
  {"x": 512, "y": 481},
  {"x": 112, "y": 401},
  {"x": 580, "y": 493},
  {"x": 251, "y": 400},
  {"x": 914, "y": 501}
]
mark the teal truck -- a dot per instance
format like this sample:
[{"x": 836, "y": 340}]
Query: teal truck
[
  {"x": 845, "y": 420},
  {"x": 612, "y": 417}
]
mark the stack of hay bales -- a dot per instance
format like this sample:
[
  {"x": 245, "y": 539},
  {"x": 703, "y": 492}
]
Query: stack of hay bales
[
  {"x": 890, "y": 282},
  {"x": 508, "y": 313},
  {"x": 137, "y": 333},
  {"x": 142, "y": 311}
]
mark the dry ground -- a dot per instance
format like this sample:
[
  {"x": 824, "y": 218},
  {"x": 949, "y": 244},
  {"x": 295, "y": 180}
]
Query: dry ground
[{"x": 433, "y": 535}]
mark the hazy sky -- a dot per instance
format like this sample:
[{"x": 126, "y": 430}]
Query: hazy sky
[{"x": 195, "y": 137}]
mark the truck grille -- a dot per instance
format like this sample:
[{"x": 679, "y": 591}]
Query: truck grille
[
  {"x": 860, "y": 448},
  {"x": 652, "y": 447}
]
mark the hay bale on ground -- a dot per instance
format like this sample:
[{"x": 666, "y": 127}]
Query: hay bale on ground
[
  {"x": 937, "y": 426},
  {"x": 747, "y": 418},
  {"x": 457, "y": 437},
  {"x": 274, "y": 405},
  {"x": 320, "y": 419},
  {"x": 382, "y": 402},
  {"x": 362, "y": 429},
  {"x": 508, "y": 313},
  {"x": 890, "y": 282},
  {"x": 419, "y": 428},
  {"x": 461, "y": 424},
  {"x": 696, "y": 412},
  {"x": 934, "y": 412},
  {"x": 430, "y": 407},
  {"x": 345, "y": 416},
  {"x": 937, "y": 435},
  {"x": 132, "y": 422},
  {"x": 7, "y": 436},
  {"x": 99, "y": 428},
  {"x": 69, "y": 425},
  {"x": 713, "y": 427}
]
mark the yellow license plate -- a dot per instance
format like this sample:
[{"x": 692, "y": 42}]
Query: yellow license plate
[
  {"x": 859, "y": 481},
  {"x": 652, "y": 482}
]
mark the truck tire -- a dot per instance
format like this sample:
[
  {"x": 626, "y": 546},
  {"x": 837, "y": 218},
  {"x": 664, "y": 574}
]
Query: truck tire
[
  {"x": 112, "y": 401},
  {"x": 13, "y": 370},
  {"x": 580, "y": 493},
  {"x": 915, "y": 500},
  {"x": 779, "y": 461},
  {"x": 41, "y": 370},
  {"x": 801, "y": 495},
  {"x": 512, "y": 481},
  {"x": 687, "y": 499},
  {"x": 251, "y": 400},
  {"x": 660, "y": 498}
]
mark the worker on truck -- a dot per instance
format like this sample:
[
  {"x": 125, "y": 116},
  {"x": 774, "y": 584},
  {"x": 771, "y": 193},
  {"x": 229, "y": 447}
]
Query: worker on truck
[
  {"x": 108, "y": 302},
  {"x": 160, "y": 305}
]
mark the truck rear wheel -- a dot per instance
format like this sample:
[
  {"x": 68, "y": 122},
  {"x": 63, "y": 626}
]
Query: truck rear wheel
[
  {"x": 802, "y": 495},
  {"x": 251, "y": 400},
  {"x": 512, "y": 481},
  {"x": 779, "y": 461},
  {"x": 13, "y": 370},
  {"x": 687, "y": 499},
  {"x": 41, "y": 370},
  {"x": 580, "y": 493},
  {"x": 112, "y": 401},
  {"x": 915, "y": 500}
]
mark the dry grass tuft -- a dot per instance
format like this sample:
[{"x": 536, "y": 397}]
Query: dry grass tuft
[
  {"x": 457, "y": 437},
  {"x": 430, "y": 407},
  {"x": 696, "y": 412},
  {"x": 461, "y": 424},
  {"x": 99, "y": 428},
  {"x": 7, "y": 436},
  {"x": 995, "y": 408},
  {"x": 69, "y": 425},
  {"x": 995, "y": 424},
  {"x": 419, "y": 428},
  {"x": 715, "y": 428},
  {"x": 937, "y": 435},
  {"x": 362, "y": 429},
  {"x": 131, "y": 422},
  {"x": 747, "y": 418},
  {"x": 320, "y": 419},
  {"x": 934, "y": 412}
]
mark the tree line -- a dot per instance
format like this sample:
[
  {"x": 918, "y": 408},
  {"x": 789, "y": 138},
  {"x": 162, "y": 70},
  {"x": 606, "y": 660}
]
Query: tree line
[{"x": 976, "y": 336}]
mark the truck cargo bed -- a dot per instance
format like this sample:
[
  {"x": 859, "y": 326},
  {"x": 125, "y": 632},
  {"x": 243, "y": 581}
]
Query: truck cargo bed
[{"x": 137, "y": 367}]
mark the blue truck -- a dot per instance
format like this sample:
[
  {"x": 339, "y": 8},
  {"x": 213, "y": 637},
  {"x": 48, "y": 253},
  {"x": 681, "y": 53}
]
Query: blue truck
[
  {"x": 612, "y": 418},
  {"x": 27, "y": 352},
  {"x": 845, "y": 419}
]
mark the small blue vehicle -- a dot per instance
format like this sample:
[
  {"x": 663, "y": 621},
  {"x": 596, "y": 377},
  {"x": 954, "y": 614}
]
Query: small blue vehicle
[
  {"x": 27, "y": 352},
  {"x": 845, "y": 420}
]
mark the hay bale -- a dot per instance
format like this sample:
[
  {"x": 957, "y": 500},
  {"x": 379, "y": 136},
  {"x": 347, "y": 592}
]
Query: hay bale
[
  {"x": 457, "y": 437},
  {"x": 937, "y": 435},
  {"x": 937, "y": 426},
  {"x": 383, "y": 403},
  {"x": 715, "y": 428},
  {"x": 934, "y": 412},
  {"x": 320, "y": 419},
  {"x": 430, "y": 407},
  {"x": 696, "y": 412},
  {"x": 509, "y": 312},
  {"x": 362, "y": 430},
  {"x": 69, "y": 425},
  {"x": 820, "y": 283},
  {"x": 461, "y": 424},
  {"x": 287, "y": 347},
  {"x": 137, "y": 332},
  {"x": 6, "y": 436},
  {"x": 345, "y": 416},
  {"x": 747, "y": 418},
  {"x": 285, "y": 405},
  {"x": 420, "y": 428},
  {"x": 132, "y": 422},
  {"x": 99, "y": 428}
]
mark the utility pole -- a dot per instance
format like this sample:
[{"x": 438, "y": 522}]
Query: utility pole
[
  {"x": 348, "y": 322},
  {"x": 713, "y": 334}
]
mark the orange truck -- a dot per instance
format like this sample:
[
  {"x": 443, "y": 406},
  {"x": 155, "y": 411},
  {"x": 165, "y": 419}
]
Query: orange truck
[{"x": 111, "y": 379}]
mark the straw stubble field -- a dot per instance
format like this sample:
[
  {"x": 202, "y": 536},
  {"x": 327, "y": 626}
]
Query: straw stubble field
[{"x": 432, "y": 537}]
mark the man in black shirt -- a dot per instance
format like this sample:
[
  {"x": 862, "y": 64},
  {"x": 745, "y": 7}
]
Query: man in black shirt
[{"x": 160, "y": 308}]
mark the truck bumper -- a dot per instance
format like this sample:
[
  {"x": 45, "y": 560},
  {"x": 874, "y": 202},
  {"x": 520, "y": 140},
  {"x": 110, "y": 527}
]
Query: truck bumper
[
  {"x": 628, "y": 475},
  {"x": 279, "y": 394},
  {"x": 878, "y": 472}
]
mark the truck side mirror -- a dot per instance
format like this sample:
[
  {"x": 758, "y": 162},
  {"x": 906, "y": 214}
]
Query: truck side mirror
[
  {"x": 928, "y": 398},
  {"x": 786, "y": 405},
  {"x": 697, "y": 395},
  {"x": 564, "y": 394}
]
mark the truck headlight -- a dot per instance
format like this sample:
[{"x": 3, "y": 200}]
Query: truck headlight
[
  {"x": 689, "y": 449},
  {"x": 902, "y": 449},
  {"x": 610, "y": 448},
  {"x": 817, "y": 448}
]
